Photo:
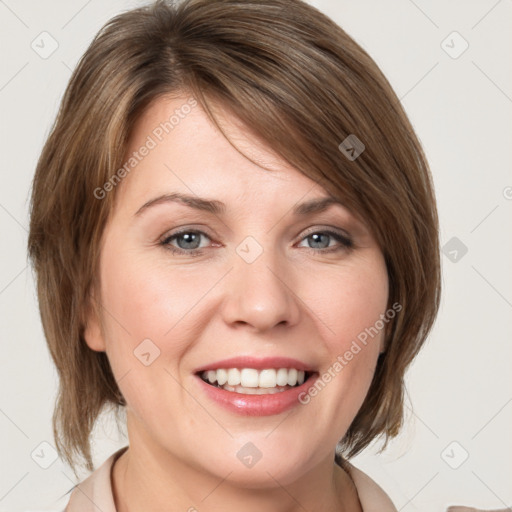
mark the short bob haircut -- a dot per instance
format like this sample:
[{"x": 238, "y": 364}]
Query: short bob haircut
[{"x": 301, "y": 85}]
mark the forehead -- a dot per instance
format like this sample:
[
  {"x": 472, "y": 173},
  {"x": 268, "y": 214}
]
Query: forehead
[{"x": 174, "y": 146}]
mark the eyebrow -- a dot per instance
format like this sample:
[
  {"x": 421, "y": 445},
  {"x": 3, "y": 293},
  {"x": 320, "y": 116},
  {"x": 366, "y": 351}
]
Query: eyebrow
[{"x": 218, "y": 207}]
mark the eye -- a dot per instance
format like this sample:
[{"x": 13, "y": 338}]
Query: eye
[
  {"x": 188, "y": 242},
  {"x": 320, "y": 241}
]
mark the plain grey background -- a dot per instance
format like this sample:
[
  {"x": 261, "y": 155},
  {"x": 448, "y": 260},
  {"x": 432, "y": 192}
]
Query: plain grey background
[{"x": 449, "y": 63}]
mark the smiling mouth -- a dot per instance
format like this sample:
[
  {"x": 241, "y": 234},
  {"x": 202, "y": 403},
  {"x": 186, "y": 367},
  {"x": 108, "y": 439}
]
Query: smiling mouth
[{"x": 251, "y": 381}]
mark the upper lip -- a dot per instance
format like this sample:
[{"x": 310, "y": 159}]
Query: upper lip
[{"x": 259, "y": 363}]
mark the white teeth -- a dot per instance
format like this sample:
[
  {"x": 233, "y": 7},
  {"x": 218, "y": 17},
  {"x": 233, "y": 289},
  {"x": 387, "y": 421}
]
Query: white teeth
[
  {"x": 268, "y": 379},
  {"x": 252, "y": 379},
  {"x": 222, "y": 377},
  {"x": 249, "y": 378},
  {"x": 282, "y": 377},
  {"x": 292, "y": 377},
  {"x": 254, "y": 391},
  {"x": 233, "y": 377}
]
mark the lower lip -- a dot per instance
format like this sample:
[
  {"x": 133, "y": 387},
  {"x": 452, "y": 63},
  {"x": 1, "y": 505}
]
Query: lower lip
[{"x": 257, "y": 405}]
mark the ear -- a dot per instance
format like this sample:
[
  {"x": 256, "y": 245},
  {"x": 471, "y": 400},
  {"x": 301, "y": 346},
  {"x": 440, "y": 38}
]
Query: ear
[{"x": 93, "y": 332}]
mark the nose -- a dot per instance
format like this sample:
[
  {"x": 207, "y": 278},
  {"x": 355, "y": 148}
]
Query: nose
[{"x": 260, "y": 294}]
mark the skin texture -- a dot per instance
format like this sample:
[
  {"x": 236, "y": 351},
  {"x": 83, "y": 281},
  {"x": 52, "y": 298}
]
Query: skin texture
[{"x": 295, "y": 300}]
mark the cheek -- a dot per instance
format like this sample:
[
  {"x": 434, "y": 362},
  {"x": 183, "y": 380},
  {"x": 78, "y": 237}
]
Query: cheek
[
  {"x": 149, "y": 307},
  {"x": 351, "y": 308},
  {"x": 141, "y": 321},
  {"x": 147, "y": 298},
  {"x": 351, "y": 301}
]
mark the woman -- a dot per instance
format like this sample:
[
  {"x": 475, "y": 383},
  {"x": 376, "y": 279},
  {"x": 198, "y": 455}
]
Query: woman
[{"x": 235, "y": 237}]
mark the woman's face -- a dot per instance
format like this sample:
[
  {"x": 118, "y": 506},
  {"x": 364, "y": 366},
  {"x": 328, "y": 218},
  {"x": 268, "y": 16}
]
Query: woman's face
[{"x": 241, "y": 269}]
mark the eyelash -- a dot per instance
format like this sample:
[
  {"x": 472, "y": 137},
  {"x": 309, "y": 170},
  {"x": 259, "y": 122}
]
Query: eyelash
[{"x": 346, "y": 242}]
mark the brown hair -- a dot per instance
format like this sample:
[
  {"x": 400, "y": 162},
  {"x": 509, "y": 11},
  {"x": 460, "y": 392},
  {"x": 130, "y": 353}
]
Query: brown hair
[{"x": 303, "y": 86}]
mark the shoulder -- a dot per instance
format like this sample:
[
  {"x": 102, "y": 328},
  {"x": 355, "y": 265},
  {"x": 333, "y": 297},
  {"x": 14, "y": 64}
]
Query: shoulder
[
  {"x": 58, "y": 505},
  {"x": 95, "y": 492},
  {"x": 371, "y": 495}
]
